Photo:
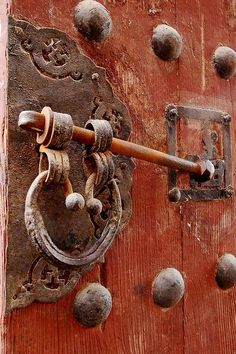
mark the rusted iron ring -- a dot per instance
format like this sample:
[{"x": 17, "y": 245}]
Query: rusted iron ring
[
  {"x": 58, "y": 165},
  {"x": 103, "y": 135},
  {"x": 100, "y": 172},
  {"x": 58, "y": 129},
  {"x": 41, "y": 239},
  {"x": 102, "y": 164},
  {"x": 44, "y": 137},
  {"x": 100, "y": 169}
]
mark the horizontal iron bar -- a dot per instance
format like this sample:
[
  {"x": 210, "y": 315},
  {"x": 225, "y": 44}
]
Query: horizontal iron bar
[{"x": 34, "y": 121}]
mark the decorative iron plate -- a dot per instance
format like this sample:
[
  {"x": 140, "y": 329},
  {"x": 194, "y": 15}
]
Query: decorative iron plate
[
  {"x": 195, "y": 133},
  {"x": 46, "y": 68}
]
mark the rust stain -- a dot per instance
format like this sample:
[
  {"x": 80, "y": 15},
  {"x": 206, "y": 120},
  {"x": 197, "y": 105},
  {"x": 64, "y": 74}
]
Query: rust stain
[
  {"x": 152, "y": 7},
  {"x": 231, "y": 13}
]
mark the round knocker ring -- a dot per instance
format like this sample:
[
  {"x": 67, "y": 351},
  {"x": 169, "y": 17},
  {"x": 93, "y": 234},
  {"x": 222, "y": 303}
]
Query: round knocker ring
[
  {"x": 40, "y": 237},
  {"x": 99, "y": 168}
]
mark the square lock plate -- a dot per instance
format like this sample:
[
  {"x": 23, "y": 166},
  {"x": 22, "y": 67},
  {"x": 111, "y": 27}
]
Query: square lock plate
[{"x": 195, "y": 133}]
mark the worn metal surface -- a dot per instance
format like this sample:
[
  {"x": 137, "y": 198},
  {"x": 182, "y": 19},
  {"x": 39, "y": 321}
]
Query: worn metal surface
[
  {"x": 47, "y": 69},
  {"x": 213, "y": 131},
  {"x": 93, "y": 20},
  {"x": 34, "y": 121},
  {"x": 168, "y": 288},
  {"x": 226, "y": 271},
  {"x": 225, "y": 62},
  {"x": 92, "y": 305},
  {"x": 167, "y": 43}
]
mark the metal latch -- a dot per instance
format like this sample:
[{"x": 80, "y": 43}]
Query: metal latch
[
  {"x": 200, "y": 133},
  {"x": 201, "y": 167}
]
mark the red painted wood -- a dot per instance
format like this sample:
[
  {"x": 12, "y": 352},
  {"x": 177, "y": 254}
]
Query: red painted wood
[
  {"x": 3, "y": 162},
  {"x": 208, "y": 227},
  {"x": 159, "y": 235}
]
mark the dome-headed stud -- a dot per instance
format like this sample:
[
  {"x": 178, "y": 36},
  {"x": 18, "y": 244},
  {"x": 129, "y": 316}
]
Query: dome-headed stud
[
  {"x": 174, "y": 195},
  {"x": 167, "y": 43},
  {"x": 94, "y": 206},
  {"x": 75, "y": 201},
  {"x": 93, "y": 20},
  {"x": 168, "y": 288},
  {"x": 226, "y": 271},
  {"x": 225, "y": 62},
  {"x": 92, "y": 305}
]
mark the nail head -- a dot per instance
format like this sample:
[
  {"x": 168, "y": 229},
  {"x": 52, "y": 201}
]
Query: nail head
[
  {"x": 168, "y": 288},
  {"x": 167, "y": 43},
  {"x": 92, "y": 305},
  {"x": 93, "y": 20}
]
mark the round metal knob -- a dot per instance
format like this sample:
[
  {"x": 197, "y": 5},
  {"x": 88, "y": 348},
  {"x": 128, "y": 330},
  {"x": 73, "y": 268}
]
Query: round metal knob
[
  {"x": 75, "y": 201},
  {"x": 92, "y": 305},
  {"x": 94, "y": 206},
  {"x": 226, "y": 271},
  {"x": 93, "y": 20},
  {"x": 167, "y": 43},
  {"x": 168, "y": 288},
  {"x": 225, "y": 62}
]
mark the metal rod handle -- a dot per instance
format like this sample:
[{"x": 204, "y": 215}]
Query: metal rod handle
[{"x": 34, "y": 121}]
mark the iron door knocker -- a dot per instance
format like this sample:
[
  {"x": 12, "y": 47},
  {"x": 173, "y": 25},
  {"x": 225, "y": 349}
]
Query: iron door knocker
[{"x": 99, "y": 169}]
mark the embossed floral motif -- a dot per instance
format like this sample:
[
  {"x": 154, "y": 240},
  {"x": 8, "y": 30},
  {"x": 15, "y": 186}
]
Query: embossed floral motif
[
  {"x": 111, "y": 114},
  {"x": 44, "y": 281},
  {"x": 52, "y": 54}
]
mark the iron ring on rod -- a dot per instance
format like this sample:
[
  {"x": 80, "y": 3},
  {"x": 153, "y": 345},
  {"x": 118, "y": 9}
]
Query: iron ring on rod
[{"x": 42, "y": 240}]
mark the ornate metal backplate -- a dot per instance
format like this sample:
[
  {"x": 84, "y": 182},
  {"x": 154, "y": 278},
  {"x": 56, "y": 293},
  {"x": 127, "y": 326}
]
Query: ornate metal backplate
[
  {"x": 46, "y": 68},
  {"x": 195, "y": 133}
]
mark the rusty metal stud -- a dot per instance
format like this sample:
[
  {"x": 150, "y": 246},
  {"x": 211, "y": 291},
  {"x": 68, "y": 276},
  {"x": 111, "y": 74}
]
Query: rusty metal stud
[
  {"x": 172, "y": 114},
  {"x": 229, "y": 191},
  {"x": 225, "y": 62},
  {"x": 93, "y": 20},
  {"x": 92, "y": 305},
  {"x": 168, "y": 288},
  {"x": 226, "y": 271},
  {"x": 174, "y": 195},
  {"x": 167, "y": 43}
]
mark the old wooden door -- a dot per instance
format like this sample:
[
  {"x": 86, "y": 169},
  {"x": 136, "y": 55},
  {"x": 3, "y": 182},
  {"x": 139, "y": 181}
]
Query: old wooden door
[{"x": 189, "y": 236}]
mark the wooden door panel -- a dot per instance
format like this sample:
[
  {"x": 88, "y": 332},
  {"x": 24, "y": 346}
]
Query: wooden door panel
[
  {"x": 160, "y": 234},
  {"x": 208, "y": 228}
]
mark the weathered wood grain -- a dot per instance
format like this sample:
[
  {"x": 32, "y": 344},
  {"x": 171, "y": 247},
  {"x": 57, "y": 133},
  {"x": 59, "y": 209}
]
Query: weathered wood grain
[
  {"x": 3, "y": 162},
  {"x": 208, "y": 227},
  {"x": 189, "y": 237}
]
